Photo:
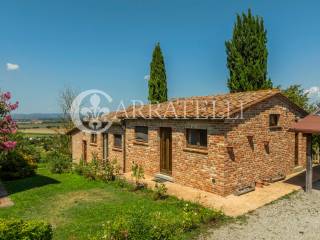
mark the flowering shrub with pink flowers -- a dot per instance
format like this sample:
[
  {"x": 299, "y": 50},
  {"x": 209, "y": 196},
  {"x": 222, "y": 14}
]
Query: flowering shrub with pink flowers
[{"x": 7, "y": 124}]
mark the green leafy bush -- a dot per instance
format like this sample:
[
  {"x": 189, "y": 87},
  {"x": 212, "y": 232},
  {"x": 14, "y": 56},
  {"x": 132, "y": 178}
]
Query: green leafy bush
[
  {"x": 15, "y": 164},
  {"x": 141, "y": 225},
  {"x": 138, "y": 225},
  {"x": 24, "y": 230},
  {"x": 137, "y": 173},
  {"x": 122, "y": 183},
  {"x": 160, "y": 191},
  {"x": 20, "y": 162},
  {"x": 59, "y": 162},
  {"x": 98, "y": 169},
  {"x": 27, "y": 146}
]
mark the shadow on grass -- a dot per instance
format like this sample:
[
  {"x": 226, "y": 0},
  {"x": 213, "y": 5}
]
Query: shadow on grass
[{"x": 21, "y": 185}]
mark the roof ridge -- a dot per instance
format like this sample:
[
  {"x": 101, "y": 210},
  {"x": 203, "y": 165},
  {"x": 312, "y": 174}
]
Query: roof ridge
[
  {"x": 275, "y": 90},
  {"x": 236, "y": 101}
]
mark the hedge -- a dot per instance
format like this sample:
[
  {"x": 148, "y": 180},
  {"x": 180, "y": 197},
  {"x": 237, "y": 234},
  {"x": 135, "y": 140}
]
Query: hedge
[{"x": 25, "y": 230}]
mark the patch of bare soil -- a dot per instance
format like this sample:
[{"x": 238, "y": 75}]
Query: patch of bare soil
[{"x": 5, "y": 202}]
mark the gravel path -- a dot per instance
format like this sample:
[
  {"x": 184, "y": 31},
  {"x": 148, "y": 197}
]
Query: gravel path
[{"x": 296, "y": 217}]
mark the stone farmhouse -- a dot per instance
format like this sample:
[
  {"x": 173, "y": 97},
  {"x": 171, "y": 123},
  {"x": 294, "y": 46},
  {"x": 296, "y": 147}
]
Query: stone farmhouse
[{"x": 221, "y": 144}]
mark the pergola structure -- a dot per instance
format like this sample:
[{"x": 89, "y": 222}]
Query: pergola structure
[{"x": 309, "y": 125}]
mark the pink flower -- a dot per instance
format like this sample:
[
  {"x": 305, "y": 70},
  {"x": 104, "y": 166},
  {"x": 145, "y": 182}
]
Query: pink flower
[
  {"x": 6, "y": 131},
  {"x": 9, "y": 145},
  {"x": 8, "y": 118},
  {"x": 6, "y": 96},
  {"x": 14, "y": 106}
]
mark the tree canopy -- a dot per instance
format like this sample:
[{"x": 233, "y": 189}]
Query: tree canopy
[
  {"x": 247, "y": 55},
  {"x": 297, "y": 95},
  {"x": 158, "y": 91}
]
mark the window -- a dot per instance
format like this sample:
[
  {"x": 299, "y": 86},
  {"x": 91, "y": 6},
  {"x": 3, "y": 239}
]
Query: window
[
  {"x": 93, "y": 138},
  {"x": 197, "y": 137},
  {"x": 274, "y": 120},
  {"x": 117, "y": 140},
  {"x": 141, "y": 133}
]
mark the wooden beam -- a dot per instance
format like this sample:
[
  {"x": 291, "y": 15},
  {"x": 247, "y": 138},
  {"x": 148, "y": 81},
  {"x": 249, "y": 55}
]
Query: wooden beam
[{"x": 309, "y": 164}]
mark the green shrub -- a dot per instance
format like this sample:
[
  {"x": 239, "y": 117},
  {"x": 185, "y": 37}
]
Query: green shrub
[
  {"x": 160, "y": 191},
  {"x": 79, "y": 168},
  {"x": 141, "y": 225},
  {"x": 194, "y": 215},
  {"x": 20, "y": 162},
  {"x": 98, "y": 169},
  {"x": 58, "y": 162},
  {"x": 24, "y": 230},
  {"x": 105, "y": 170},
  {"x": 164, "y": 228},
  {"x": 27, "y": 146},
  {"x": 137, "y": 173},
  {"x": 122, "y": 183},
  {"x": 138, "y": 225},
  {"x": 15, "y": 165}
]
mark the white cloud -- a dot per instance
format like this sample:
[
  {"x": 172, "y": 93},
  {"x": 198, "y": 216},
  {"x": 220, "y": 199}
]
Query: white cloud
[
  {"x": 147, "y": 77},
  {"x": 12, "y": 66},
  {"x": 313, "y": 94}
]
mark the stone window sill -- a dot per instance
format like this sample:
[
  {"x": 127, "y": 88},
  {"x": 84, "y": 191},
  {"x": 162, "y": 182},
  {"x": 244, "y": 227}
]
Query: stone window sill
[
  {"x": 117, "y": 149},
  {"x": 140, "y": 143},
  {"x": 275, "y": 128},
  {"x": 196, "y": 150}
]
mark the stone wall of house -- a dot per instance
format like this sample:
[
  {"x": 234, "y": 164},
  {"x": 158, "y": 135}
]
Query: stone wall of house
[
  {"x": 93, "y": 149},
  {"x": 76, "y": 146},
  {"x": 97, "y": 148},
  {"x": 190, "y": 166},
  {"x": 115, "y": 153},
  {"x": 240, "y": 152},
  {"x": 258, "y": 152}
]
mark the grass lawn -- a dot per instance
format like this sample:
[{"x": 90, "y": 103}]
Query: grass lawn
[{"x": 77, "y": 207}]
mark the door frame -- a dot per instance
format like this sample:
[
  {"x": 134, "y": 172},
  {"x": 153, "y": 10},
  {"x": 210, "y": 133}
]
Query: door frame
[{"x": 165, "y": 150}]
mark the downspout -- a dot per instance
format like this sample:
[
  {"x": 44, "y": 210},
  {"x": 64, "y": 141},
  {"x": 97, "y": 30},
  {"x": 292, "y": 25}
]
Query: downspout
[{"x": 123, "y": 125}]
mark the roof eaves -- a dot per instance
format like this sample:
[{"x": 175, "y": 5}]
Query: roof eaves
[
  {"x": 250, "y": 104},
  {"x": 72, "y": 130}
]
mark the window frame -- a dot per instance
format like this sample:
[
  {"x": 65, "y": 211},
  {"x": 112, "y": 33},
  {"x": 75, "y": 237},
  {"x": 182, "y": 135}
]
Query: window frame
[
  {"x": 115, "y": 135},
  {"x": 277, "y": 122},
  {"x": 93, "y": 138},
  {"x": 198, "y": 138},
  {"x": 137, "y": 139}
]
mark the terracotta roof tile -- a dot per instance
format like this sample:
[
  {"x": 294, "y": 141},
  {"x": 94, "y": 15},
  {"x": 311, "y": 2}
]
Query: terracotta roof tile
[
  {"x": 200, "y": 106},
  {"x": 309, "y": 124}
]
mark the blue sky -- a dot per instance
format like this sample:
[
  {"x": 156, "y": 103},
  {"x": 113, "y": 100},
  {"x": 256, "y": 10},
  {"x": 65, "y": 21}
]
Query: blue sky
[{"x": 107, "y": 45}]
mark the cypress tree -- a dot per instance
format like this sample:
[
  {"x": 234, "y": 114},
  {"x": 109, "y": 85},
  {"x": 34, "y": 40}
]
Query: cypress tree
[
  {"x": 158, "y": 91},
  {"x": 247, "y": 55}
]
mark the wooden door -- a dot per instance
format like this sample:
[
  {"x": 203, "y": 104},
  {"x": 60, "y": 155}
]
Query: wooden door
[
  {"x": 84, "y": 151},
  {"x": 166, "y": 151}
]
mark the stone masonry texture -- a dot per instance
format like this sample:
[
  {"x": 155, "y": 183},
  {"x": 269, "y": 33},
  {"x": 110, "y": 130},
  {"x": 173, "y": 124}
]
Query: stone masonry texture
[{"x": 239, "y": 152}]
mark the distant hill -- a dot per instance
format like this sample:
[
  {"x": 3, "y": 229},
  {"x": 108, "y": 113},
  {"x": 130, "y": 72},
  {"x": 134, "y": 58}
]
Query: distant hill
[{"x": 36, "y": 116}]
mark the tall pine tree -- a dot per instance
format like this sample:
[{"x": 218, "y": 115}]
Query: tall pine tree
[
  {"x": 247, "y": 55},
  {"x": 158, "y": 91}
]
